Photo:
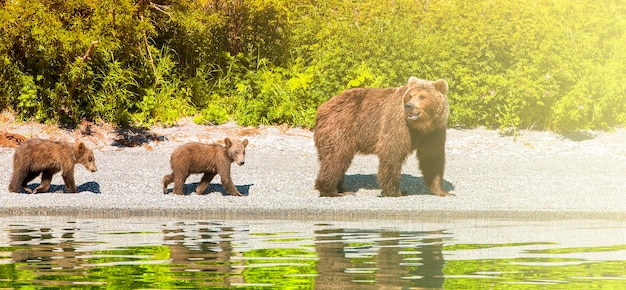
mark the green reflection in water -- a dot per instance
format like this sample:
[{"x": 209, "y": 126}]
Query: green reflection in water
[
  {"x": 579, "y": 250},
  {"x": 212, "y": 255},
  {"x": 142, "y": 253},
  {"x": 534, "y": 274},
  {"x": 488, "y": 246},
  {"x": 281, "y": 268}
]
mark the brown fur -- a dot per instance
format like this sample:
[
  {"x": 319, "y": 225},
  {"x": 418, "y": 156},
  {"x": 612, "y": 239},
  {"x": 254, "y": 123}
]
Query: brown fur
[
  {"x": 210, "y": 159},
  {"x": 46, "y": 157},
  {"x": 388, "y": 122}
]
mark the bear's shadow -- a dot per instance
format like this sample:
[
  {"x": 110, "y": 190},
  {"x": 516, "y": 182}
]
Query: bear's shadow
[
  {"x": 190, "y": 188},
  {"x": 409, "y": 184},
  {"x": 90, "y": 186}
]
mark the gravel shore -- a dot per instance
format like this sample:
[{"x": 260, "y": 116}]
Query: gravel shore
[{"x": 536, "y": 175}]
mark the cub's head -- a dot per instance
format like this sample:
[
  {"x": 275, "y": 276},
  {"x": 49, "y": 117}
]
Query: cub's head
[
  {"x": 426, "y": 104},
  {"x": 85, "y": 156},
  {"x": 236, "y": 150}
]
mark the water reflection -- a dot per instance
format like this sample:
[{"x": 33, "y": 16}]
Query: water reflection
[
  {"x": 209, "y": 249},
  {"x": 159, "y": 253},
  {"x": 381, "y": 258}
]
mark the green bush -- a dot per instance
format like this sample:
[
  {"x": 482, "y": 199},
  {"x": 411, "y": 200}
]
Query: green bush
[
  {"x": 557, "y": 65},
  {"x": 211, "y": 115}
]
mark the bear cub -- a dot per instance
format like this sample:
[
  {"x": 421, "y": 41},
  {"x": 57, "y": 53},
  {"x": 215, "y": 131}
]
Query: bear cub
[
  {"x": 210, "y": 159},
  {"x": 46, "y": 157}
]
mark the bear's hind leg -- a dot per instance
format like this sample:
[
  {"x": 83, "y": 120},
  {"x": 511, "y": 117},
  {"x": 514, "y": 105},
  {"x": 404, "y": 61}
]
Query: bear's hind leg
[
  {"x": 204, "y": 182},
  {"x": 15, "y": 185},
  {"x": 179, "y": 183},
  {"x": 389, "y": 173},
  {"x": 29, "y": 178},
  {"x": 20, "y": 179},
  {"x": 167, "y": 180},
  {"x": 46, "y": 179},
  {"x": 331, "y": 174},
  {"x": 340, "y": 187}
]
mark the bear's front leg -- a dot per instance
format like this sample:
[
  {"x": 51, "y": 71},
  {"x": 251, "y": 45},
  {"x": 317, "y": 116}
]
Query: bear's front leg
[
  {"x": 435, "y": 185},
  {"x": 431, "y": 156},
  {"x": 230, "y": 187},
  {"x": 68, "y": 178},
  {"x": 204, "y": 182},
  {"x": 227, "y": 183},
  {"x": 432, "y": 169}
]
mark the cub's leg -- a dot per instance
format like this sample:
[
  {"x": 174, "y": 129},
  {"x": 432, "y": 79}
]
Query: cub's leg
[
  {"x": 167, "y": 180},
  {"x": 227, "y": 182},
  {"x": 205, "y": 182},
  {"x": 46, "y": 179},
  {"x": 29, "y": 177},
  {"x": 179, "y": 183},
  {"x": 70, "y": 184}
]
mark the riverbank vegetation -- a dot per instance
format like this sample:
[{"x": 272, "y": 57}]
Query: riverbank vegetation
[{"x": 556, "y": 65}]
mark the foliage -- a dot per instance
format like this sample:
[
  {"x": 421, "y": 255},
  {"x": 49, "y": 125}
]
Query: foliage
[{"x": 555, "y": 65}]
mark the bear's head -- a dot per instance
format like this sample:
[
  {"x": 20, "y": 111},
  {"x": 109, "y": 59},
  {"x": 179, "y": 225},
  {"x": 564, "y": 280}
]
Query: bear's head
[
  {"x": 85, "y": 156},
  {"x": 426, "y": 104},
  {"x": 236, "y": 150}
]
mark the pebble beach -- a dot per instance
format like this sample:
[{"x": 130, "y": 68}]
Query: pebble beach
[{"x": 529, "y": 175}]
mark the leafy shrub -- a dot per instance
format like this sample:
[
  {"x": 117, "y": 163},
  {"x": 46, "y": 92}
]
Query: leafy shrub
[
  {"x": 557, "y": 65},
  {"x": 211, "y": 115}
]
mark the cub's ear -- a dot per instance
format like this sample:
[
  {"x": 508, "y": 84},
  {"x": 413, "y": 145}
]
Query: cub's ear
[
  {"x": 245, "y": 142},
  {"x": 228, "y": 142},
  {"x": 81, "y": 148},
  {"x": 441, "y": 85}
]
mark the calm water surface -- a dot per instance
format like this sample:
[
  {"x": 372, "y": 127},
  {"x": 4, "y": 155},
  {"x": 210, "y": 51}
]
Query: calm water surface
[{"x": 129, "y": 253}]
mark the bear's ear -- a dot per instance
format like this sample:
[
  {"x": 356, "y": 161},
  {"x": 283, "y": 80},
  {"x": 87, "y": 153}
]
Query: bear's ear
[
  {"x": 245, "y": 142},
  {"x": 413, "y": 81},
  {"x": 228, "y": 142},
  {"x": 81, "y": 148},
  {"x": 441, "y": 85}
]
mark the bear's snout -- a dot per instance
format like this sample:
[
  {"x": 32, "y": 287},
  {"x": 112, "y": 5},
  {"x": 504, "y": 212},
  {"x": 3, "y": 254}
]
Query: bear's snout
[
  {"x": 413, "y": 116},
  {"x": 412, "y": 111},
  {"x": 240, "y": 163}
]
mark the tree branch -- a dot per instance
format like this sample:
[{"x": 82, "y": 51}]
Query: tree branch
[
  {"x": 89, "y": 50},
  {"x": 83, "y": 58},
  {"x": 72, "y": 92}
]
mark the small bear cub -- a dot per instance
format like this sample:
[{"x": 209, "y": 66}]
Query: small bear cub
[
  {"x": 210, "y": 159},
  {"x": 47, "y": 157}
]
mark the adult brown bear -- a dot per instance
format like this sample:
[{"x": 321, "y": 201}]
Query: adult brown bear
[{"x": 388, "y": 122}]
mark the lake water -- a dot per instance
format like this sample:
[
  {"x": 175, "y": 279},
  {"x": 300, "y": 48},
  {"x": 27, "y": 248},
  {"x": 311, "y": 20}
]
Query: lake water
[{"x": 168, "y": 253}]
